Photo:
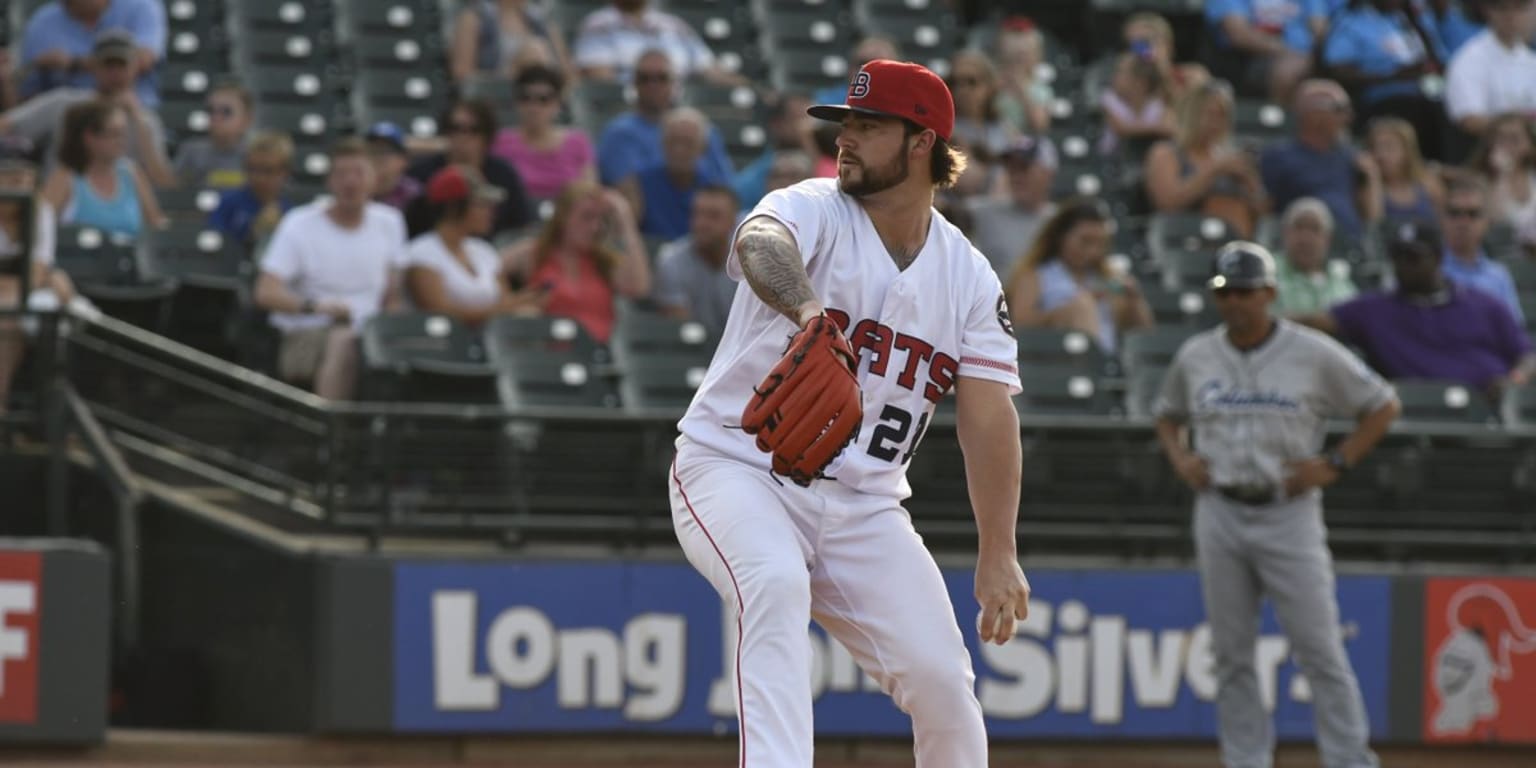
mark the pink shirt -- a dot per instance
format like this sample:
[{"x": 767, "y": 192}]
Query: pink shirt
[
  {"x": 585, "y": 297},
  {"x": 545, "y": 174}
]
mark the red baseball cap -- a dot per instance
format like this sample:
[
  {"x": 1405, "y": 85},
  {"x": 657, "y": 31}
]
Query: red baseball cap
[
  {"x": 454, "y": 183},
  {"x": 896, "y": 89}
]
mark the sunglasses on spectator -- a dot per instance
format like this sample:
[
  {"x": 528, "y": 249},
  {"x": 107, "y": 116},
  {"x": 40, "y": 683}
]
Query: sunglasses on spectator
[
  {"x": 1464, "y": 213},
  {"x": 1238, "y": 293},
  {"x": 642, "y": 78},
  {"x": 463, "y": 128},
  {"x": 537, "y": 97}
]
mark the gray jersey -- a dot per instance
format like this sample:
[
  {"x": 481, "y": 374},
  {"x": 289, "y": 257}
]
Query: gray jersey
[{"x": 1254, "y": 412}]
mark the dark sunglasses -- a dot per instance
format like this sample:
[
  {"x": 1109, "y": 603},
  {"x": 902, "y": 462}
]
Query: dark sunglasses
[
  {"x": 1235, "y": 292},
  {"x": 1464, "y": 213},
  {"x": 642, "y": 78},
  {"x": 532, "y": 97},
  {"x": 463, "y": 128}
]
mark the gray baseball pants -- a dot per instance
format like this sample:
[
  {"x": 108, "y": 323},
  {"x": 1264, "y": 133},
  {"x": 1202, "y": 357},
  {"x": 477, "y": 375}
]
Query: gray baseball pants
[{"x": 1279, "y": 551}]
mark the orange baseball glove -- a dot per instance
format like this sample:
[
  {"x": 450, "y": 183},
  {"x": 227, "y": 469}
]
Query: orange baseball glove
[{"x": 809, "y": 407}]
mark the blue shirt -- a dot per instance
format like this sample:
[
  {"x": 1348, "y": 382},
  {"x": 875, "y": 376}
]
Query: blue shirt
[
  {"x": 237, "y": 211},
  {"x": 50, "y": 28},
  {"x": 1292, "y": 170},
  {"x": 668, "y": 206},
  {"x": 631, "y": 142},
  {"x": 751, "y": 182},
  {"x": 1289, "y": 19},
  {"x": 1378, "y": 45},
  {"x": 1485, "y": 275},
  {"x": 1456, "y": 29}
]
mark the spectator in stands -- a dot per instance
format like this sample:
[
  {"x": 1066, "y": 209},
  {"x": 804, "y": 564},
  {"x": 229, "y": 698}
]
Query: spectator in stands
[
  {"x": 570, "y": 266},
  {"x": 496, "y": 38},
  {"x": 250, "y": 214},
  {"x": 96, "y": 184},
  {"x": 691, "y": 282},
  {"x": 1004, "y": 228},
  {"x": 788, "y": 131},
  {"x": 392, "y": 185},
  {"x": 18, "y": 176},
  {"x": 1134, "y": 111},
  {"x": 1409, "y": 190},
  {"x": 632, "y": 140},
  {"x": 1201, "y": 170},
  {"x": 330, "y": 267},
  {"x": 1495, "y": 72},
  {"x": 980, "y": 131},
  {"x": 1454, "y": 25},
  {"x": 1150, "y": 35},
  {"x": 1381, "y": 51},
  {"x": 662, "y": 194},
  {"x": 1506, "y": 158},
  {"x": 1306, "y": 285},
  {"x": 1429, "y": 327},
  {"x": 1465, "y": 262},
  {"x": 451, "y": 270},
  {"x": 1319, "y": 162},
  {"x": 1265, "y": 46},
  {"x": 41, "y": 119},
  {"x": 61, "y": 35},
  {"x": 868, "y": 49},
  {"x": 789, "y": 168},
  {"x": 471, "y": 127},
  {"x": 218, "y": 161},
  {"x": 612, "y": 40},
  {"x": 546, "y": 155},
  {"x": 1024, "y": 98},
  {"x": 1065, "y": 282}
]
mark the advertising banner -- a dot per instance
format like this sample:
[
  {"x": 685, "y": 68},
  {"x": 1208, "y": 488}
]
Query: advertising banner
[
  {"x": 513, "y": 647},
  {"x": 21, "y": 588},
  {"x": 1480, "y": 660}
]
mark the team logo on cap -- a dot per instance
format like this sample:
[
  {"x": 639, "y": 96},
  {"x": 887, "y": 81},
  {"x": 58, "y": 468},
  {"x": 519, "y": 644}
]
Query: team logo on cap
[{"x": 859, "y": 88}]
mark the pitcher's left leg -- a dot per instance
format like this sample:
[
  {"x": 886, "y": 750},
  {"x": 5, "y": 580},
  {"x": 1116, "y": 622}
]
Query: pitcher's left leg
[{"x": 877, "y": 590}]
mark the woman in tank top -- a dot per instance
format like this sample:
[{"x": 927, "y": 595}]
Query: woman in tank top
[
  {"x": 573, "y": 267},
  {"x": 1201, "y": 170},
  {"x": 96, "y": 184},
  {"x": 1410, "y": 190}
]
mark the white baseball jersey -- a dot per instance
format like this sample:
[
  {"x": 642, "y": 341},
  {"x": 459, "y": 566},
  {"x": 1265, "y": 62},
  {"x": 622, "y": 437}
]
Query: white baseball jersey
[{"x": 915, "y": 331}]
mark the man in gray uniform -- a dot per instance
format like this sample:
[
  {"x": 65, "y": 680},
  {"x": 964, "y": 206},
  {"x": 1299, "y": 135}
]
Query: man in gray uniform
[{"x": 1257, "y": 392}]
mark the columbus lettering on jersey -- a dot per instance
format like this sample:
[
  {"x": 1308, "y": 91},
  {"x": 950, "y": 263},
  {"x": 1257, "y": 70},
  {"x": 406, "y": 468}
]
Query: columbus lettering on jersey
[
  {"x": 883, "y": 343},
  {"x": 1214, "y": 395}
]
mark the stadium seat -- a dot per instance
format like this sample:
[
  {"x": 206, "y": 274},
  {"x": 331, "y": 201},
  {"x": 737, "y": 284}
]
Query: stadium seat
[
  {"x": 640, "y": 335},
  {"x": 1519, "y": 407},
  {"x": 391, "y": 18},
  {"x": 1061, "y": 350},
  {"x": 554, "y": 380},
  {"x": 1186, "y": 231},
  {"x": 260, "y": 48},
  {"x": 1055, "y": 393},
  {"x": 1260, "y": 122},
  {"x": 109, "y": 271},
  {"x": 398, "y": 54},
  {"x": 1188, "y": 308},
  {"x": 423, "y": 357},
  {"x": 188, "y": 202},
  {"x": 289, "y": 83},
  {"x": 1153, "y": 348},
  {"x": 661, "y": 383},
  {"x": 195, "y": 255},
  {"x": 307, "y": 17},
  {"x": 1187, "y": 269},
  {"x": 1440, "y": 402},
  {"x": 303, "y": 122},
  {"x": 510, "y": 340}
]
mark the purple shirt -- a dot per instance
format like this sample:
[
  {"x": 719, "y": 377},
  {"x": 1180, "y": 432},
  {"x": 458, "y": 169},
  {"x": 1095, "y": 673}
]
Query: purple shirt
[
  {"x": 545, "y": 174},
  {"x": 1471, "y": 338}
]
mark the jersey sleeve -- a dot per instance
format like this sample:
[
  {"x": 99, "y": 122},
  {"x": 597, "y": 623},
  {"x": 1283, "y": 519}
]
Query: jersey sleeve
[
  {"x": 801, "y": 211},
  {"x": 988, "y": 349},
  {"x": 1350, "y": 388}
]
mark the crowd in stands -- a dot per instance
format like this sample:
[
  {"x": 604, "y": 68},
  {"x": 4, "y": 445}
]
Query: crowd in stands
[{"x": 1386, "y": 148}]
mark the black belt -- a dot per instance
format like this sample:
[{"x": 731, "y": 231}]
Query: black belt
[{"x": 1253, "y": 495}]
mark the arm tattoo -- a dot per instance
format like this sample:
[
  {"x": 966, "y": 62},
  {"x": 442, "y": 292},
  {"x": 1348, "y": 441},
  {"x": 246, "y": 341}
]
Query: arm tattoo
[{"x": 771, "y": 263}]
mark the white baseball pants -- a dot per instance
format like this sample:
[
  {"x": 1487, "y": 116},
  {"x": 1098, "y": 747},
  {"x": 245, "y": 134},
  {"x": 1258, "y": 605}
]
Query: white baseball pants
[{"x": 780, "y": 555}]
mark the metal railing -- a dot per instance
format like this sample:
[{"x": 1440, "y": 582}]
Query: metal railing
[{"x": 1100, "y": 484}]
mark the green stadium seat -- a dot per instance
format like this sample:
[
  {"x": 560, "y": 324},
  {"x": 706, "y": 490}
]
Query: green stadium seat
[
  {"x": 511, "y": 340},
  {"x": 1057, "y": 393},
  {"x": 418, "y": 356},
  {"x": 554, "y": 381},
  {"x": 640, "y": 335},
  {"x": 1441, "y": 402},
  {"x": 1061, "y": 350}
]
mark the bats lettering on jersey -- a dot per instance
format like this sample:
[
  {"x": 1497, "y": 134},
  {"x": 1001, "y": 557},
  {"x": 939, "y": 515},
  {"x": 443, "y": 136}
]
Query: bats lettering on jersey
[{"x": 885, "y": 344}]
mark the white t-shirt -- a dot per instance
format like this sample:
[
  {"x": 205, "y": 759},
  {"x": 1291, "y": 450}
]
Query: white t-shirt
[
  {"x": 915, "y": 331},
  {"x": 320, "y": 261},
  {"x": 477, "y": 289},
  {"x": 1485, "y": 78}
]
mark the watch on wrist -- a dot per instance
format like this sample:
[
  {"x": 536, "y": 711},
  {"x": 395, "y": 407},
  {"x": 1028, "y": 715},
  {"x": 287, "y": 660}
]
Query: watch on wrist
[{"x": 1337, "y": 461}]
